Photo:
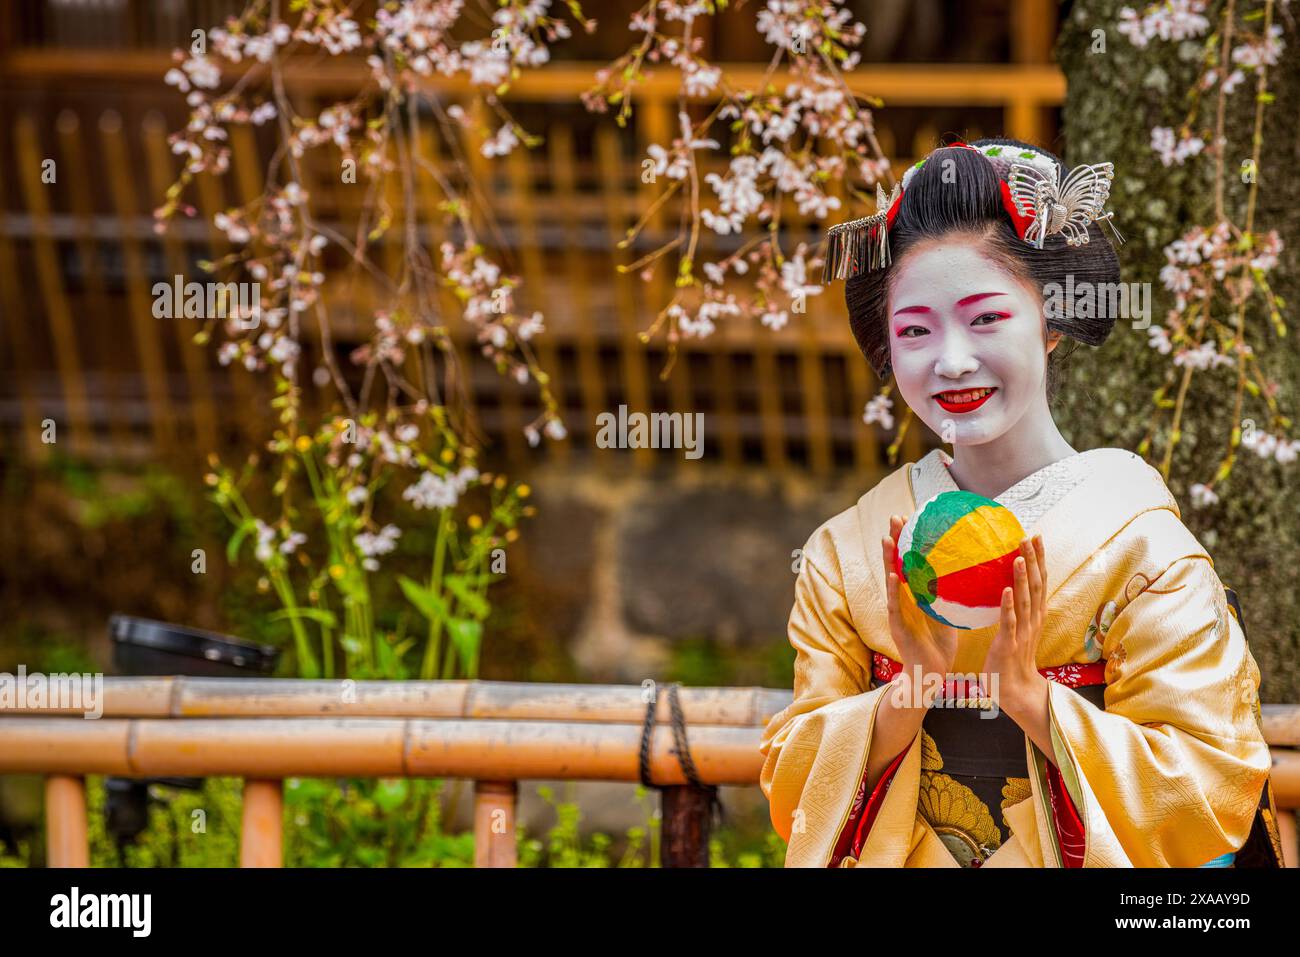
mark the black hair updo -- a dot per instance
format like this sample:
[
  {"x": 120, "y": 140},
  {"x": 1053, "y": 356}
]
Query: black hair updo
[{"x": 967, "y": 201}]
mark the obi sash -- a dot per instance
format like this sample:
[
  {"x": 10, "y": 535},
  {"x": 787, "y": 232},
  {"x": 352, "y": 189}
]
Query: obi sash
[{"x": 973, "y": 766}]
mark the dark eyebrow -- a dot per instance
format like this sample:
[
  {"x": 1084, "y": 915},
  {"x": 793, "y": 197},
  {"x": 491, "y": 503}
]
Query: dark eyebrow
[{"x": 960, "y": 302}]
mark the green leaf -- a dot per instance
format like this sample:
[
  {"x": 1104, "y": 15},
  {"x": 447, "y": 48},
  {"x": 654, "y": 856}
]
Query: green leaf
[
  {"x": 318, "y": 615},
  {"x": 305, "y": 790},
  {"x": 428, "y": 602},
  {"x": 466, "y": 636},
  {"x": 470, "y": 600},
  {"x": 391, "y": 793},
  {"x": 371, "y": 856},
  {"x": 388, "y": 658}
]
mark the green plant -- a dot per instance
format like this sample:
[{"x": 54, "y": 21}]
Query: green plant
[
  {"x": 186, "y": 828},
  {"x": 320, "y": 555},
  {"x": 393, "y": 822},
  {"x": 370, "y": 823},
  {"x": 564, "y": 847},
  {"x": 22, "y": 856}
]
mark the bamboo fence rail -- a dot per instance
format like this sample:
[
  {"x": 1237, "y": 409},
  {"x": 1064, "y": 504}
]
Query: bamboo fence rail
[{"x": 495, "y": 733}]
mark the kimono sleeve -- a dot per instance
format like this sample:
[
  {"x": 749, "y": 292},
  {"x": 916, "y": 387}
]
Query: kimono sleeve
[
  {"x": 1170, "y": 773},
  {"x": 815, "y": 750}
]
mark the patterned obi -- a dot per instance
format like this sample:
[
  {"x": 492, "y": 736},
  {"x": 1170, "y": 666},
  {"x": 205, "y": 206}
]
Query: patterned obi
[{"x": 973, "y": 766}]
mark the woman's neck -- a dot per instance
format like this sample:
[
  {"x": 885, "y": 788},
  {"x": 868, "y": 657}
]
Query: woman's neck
[{"x": 989, "y": 469}]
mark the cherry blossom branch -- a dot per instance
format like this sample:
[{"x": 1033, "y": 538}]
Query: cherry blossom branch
[
  {"x": 786, "y": 145},
  {"x": 1224, "y": 261}
]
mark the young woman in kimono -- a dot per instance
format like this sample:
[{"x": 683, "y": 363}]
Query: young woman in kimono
[{"x": 1127, "y": 728}]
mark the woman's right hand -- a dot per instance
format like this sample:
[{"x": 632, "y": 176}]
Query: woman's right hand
[{"x": 920, "y": 639}]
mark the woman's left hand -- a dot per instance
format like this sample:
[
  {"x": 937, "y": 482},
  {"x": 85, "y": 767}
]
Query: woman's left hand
[{"x": 1013, "y": 654}]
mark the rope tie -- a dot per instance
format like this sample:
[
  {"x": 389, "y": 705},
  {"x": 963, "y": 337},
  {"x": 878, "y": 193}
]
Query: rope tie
[{"x": 682, "y": 749}]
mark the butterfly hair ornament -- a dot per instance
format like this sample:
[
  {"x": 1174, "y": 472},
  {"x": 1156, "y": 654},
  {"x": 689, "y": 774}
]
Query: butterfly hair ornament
[{"x": 1039, "y": 205}]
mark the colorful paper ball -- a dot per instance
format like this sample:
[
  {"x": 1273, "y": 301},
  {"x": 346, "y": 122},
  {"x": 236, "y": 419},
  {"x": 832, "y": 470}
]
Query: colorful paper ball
[{"x": 956, "y": 554}]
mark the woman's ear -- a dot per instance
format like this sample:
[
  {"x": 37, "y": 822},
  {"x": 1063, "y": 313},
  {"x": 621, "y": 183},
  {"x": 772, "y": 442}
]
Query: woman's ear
[{"x": 1052, "y": 339}]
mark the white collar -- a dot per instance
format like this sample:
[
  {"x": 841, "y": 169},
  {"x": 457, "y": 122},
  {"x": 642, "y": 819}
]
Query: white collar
[{"x": 1029, "y": 499}]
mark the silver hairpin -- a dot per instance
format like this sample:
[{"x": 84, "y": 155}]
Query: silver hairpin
[{"x": 1057, "y": 208}]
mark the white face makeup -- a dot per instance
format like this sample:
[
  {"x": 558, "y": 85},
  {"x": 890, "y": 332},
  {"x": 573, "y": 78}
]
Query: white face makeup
[{"x": 960, "y": 325}]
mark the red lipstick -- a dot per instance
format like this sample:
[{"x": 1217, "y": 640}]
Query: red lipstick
[{"x": 968, "y": 406}]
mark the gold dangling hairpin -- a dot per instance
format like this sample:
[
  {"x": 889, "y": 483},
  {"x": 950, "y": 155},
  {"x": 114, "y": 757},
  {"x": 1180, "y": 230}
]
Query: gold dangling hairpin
[{"x": 861, "y": 245}]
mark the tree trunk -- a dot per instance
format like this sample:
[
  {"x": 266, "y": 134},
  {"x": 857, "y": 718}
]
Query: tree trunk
[{"x": 1114, "y": 98}]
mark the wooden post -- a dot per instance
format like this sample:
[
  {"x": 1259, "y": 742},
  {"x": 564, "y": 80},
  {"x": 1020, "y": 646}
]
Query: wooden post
[
  {"x": 563, "y": 160},
  {"x": 494, "y": 823},
  {"x": 175, "y": 255},
  {"x": 1032, "y": 26},
  {"x": 812, "y": 377},
  {"x": 66, "y": 840},
  {"x": 1033, "y": 31},
  {"x": 246, "y": 162},
  {"x": 461, "y": 350},
  {"x": 509, "y": 393},
  {"x": 519, "y": 169},
  {"x": 58, "y": 312},
  {"x": 148, "y": 332},
  {"x": 14, "y": 335},
  {"x": 261, "y": 832},
  {"x": 655, "y": 120},
  {"x": 632, "y": 357},
  {"x": 99, "y": 339},
  {"x": 1023, "y": 119},
  {"x": 685, "y": 826},
  {"x": 860, "y": 382}
]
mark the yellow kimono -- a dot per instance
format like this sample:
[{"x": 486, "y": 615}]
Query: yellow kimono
[{"x": 1170, "y": 773}]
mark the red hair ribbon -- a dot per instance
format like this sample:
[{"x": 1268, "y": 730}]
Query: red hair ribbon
[
  {"x": 893, "y": 211},
  {"x": 1020, "y": 222}
]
